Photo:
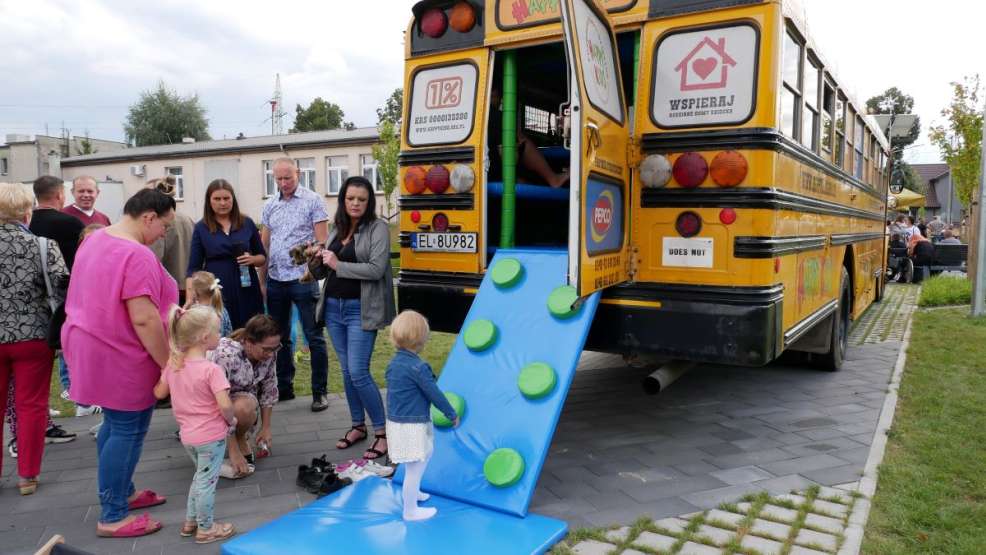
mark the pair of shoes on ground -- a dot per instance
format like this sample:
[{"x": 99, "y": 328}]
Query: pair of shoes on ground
[
  {"x": 219, "y": 531},
  {"x": 320, "y": 402},
  {"x": 227, "y": 471},
  {"x": 320, "y": 478},
  {"x": 358, "y": 469},
  {"x": 80, "y": 410},
  {"x": 54, "y": 434},
  {"x": 348, "y": 440}
]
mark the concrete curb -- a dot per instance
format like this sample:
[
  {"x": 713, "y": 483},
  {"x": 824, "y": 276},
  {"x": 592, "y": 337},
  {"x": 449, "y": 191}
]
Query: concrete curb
[{"x": 867, "y": 484}]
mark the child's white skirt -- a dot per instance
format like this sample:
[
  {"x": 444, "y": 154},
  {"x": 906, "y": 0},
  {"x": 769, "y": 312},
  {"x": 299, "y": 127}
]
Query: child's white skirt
[{"x": 409, "y": 441}]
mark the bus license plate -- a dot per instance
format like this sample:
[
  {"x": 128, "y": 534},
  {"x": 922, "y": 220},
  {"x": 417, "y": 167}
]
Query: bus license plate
[
  {"x": 443, "y": 242},
  {"x": 687, "y": 253}
]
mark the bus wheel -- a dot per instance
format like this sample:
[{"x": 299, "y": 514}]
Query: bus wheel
[{"x": 839, "y": 340}]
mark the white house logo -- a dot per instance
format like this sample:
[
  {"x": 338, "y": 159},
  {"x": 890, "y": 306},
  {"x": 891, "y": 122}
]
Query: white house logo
[{"x": 706, "y": 66}]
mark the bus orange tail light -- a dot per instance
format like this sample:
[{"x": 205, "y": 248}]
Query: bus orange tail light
[
  {"x": 688, "y": 224},
  {"x": 437, "y": 179},
  {"x": 434, "y": 23},
  {"x": 414, "y": 180},
  {"x": 439, "y": 222},
  {"x": 462, "y": 17},
  {"x": 690, "y": 170},
  {"x": 728, "y": 168}
]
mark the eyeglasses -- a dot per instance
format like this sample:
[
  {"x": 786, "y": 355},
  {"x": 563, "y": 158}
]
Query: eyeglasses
[{"x": 269, "y": 350}]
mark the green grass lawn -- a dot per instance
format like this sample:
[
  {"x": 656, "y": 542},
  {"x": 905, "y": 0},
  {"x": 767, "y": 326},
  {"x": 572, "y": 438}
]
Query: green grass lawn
[
  {"x": 931, "y": 494},
  {"x": 943, "y": 290}
]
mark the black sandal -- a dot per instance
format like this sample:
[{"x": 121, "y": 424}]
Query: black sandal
[
  {"x": 377, "y": 454},
  {"x": 347, "y": 443}
]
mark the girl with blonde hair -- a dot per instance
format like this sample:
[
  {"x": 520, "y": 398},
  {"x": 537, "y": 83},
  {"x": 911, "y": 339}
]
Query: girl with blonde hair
[{"x": 206, "y": 290}]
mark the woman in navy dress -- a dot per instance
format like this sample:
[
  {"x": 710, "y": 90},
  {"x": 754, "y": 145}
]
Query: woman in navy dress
[{"x": 227, "y": 244}]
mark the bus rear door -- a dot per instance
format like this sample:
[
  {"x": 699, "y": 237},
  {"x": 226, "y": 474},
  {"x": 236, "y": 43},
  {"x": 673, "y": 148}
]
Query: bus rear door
[{"x": 598, "y": 235}]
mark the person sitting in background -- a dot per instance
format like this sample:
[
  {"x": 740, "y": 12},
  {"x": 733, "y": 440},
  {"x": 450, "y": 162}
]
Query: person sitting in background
[
  {"x": 922, "y": 252},
  {"x": 948, "y": 238}
]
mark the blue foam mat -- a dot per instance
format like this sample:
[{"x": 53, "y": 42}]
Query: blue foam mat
[
  {"x": 496, "y": 414},
  {"x": 526, "y": 190},
  {"x": 366, "y": 518}
]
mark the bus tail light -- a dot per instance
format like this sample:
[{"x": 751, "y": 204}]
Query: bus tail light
[
  {"x": 434, "y": 23},
  {"x": 727, "y": 216},
  {"x": 439, "y": 222},
  {"x": 437, "y": 179},
  {"x": 690, "y": 170},
  {"x": 415, "y": 216},
  {"x": 728, "y": 168},
  {"x": 688, "y": 224},
  {"x": 462, "y": 17},
  {"x": 414, "y": 180},
  {"x": 462, "y": 178},
  {"x": 655, "y": 171}
]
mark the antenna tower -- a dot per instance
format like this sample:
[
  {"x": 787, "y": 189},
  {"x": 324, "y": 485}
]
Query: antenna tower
[{"x": 276, "y": 109}]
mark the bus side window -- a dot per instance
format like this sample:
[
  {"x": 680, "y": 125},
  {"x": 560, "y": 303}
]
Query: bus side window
[
  {"x": 840, "y": 130},
  {"x": 828, "y": 109},
  {"x": 791, "y": 89},
  {"x": 809, "y": 133}
]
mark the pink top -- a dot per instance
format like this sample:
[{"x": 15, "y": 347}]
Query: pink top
[
  {"x": 193, "y": 399},
  {"x": 108, "y": 365}
]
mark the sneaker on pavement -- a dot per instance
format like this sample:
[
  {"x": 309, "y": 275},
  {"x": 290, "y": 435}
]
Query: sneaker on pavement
[
  {"x": 355, "y": 473},
  {"x": 378, "y": 469},
  {"x": 55, "y": 434},
  {"x": 64, "y": 395},
  {"x": 12, "y": 447},
  {"x": 227, "y": 471},
  {"x": 81, "y": 410},
  {"x": 54, "y": 413},
  {"x": 331, "y": 484},
  {"x": 320, "y": 402}
]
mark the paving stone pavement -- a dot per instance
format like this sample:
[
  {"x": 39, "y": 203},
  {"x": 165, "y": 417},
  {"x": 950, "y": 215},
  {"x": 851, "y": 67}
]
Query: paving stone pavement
[{"x": 717, "y": 434}]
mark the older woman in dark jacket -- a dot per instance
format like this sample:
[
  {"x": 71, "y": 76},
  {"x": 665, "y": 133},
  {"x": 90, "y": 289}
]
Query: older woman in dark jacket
[
  {"x": 357, "y": 300},
  {"x": 24, "y": 317}
]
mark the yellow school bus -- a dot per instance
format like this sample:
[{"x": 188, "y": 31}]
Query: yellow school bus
[{"x": 724, "y": 191}]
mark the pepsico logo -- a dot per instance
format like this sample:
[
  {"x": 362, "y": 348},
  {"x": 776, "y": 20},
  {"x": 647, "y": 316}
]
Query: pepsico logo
[{"x": 602, "y": 216}]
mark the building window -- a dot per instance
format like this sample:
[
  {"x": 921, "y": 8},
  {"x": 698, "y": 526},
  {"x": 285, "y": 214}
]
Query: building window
[
  {"x": 370, "y": 172},
  {"x": 791, "y": 91},
  {"x": 336, "y": 173},
  {"x": 3, "y": 166},
  {"x": 270, "y": 187},
  {"x": 179, "y": 181},
  {"x": 306, "y": 172}
]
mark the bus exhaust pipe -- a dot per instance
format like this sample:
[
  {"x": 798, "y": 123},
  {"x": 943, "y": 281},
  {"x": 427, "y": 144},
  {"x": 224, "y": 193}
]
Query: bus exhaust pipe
[{"x": 666, "y": 375}]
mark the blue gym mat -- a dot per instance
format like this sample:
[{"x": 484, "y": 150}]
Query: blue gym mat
[
  {"x": 366, "y": 518},
  {"x": 526, "y": 190}
]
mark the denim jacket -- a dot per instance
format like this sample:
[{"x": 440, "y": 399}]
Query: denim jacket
[{"x": 411, "y": 388}]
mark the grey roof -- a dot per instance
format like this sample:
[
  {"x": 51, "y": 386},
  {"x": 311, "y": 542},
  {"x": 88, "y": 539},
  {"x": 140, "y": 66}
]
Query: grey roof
[
  {"x": 361, "y": 135},
  {"x": 928, "y": 172}
]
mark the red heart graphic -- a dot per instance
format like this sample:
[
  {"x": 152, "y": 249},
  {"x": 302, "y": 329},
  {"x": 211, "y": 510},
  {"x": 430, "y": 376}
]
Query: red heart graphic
[{"x": 704, "y": 66}]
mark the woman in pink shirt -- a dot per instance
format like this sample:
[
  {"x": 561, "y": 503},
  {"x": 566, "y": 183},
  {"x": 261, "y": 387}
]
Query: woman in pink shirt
[{"x": 115, "y": 344}]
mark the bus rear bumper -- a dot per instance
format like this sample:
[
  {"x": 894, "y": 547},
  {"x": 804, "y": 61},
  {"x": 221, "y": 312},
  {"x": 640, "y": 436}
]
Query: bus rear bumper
[{"x": 726, "y": 325}]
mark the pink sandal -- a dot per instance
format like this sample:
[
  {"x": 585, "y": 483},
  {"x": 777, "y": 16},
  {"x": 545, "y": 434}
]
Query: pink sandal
[
  {"x": 140, "y": 526},
  {"x": 146, "y": 498}
]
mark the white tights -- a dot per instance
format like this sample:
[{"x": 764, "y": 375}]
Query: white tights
[{"x": 413, "y": 472}]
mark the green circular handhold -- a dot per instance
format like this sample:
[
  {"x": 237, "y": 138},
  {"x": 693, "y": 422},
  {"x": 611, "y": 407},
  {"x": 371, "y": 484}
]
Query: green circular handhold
[
  {"x": 503, "y": 467},
  {"x": 480, "y": 335},
  {"x": 536, "y": 380},
  {"x": 507, "y": 272},
  {"x": 457, "y": 402},
  {"x": 560, "y": 301}
]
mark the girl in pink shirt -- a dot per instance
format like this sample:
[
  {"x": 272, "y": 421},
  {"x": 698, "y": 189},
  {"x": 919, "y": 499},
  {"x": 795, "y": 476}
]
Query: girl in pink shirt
[{"x": 200, "y": 401}]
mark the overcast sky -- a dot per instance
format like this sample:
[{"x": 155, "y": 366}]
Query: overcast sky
[{"x": 82, "y": 63}]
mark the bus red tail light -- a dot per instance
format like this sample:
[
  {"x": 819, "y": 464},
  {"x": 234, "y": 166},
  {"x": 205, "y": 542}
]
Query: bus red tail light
[
  {"x": 688, "y": 224},
  {"x": 415, "y": 216},
  {"x": 727, "y": 216},
  {"x": 439, "y": 222},
  {"x": 728, "y": 168},
  {"x": 437, "y": 179},
  {"x": 462, "y": 17},
  {"x": 434, "y": 23},
  {"x": 414, "y": 180},
  {"x": 690, "y": 170}
]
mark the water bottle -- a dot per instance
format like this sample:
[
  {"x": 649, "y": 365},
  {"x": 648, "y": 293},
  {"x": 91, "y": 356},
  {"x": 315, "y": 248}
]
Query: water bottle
[{"x": 245, "y": 280}]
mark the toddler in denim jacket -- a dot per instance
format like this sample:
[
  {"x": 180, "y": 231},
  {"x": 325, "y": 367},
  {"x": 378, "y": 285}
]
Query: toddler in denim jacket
[{"x": 411, "y": 390}]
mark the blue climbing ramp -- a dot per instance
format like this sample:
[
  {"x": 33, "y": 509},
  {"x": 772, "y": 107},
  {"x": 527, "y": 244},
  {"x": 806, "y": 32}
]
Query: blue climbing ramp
[
  {"x": 366, "y": 518},
  {"x": 511, "y": 366}
]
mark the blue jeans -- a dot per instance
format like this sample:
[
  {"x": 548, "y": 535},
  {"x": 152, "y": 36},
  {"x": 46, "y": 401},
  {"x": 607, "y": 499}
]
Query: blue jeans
[
  {"x": 354, "y": 346},
  {"x": 63, "y": 372},
  {"x": 208, "y": 460},
  {"x": 280, "y": 296},
  {"x": 118, "y": 446}
]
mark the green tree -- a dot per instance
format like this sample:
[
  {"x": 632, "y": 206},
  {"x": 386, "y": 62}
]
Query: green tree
[
  {"x": 385, "y": 153},
  {"x": 163, "y": 117},
  {"x": 391, "y": 110},
  {"x": 318, "y": 116},
  {"x": 85, "y": 146},
  {"x": 960, "y": 140},
  {"x": 893, "y": 100}
]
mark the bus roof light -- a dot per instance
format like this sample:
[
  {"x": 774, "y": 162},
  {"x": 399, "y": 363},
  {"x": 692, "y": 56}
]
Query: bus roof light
[
  {"x": 688, "y": 224},
  {"x": 728, "y": 168},
  {"x": 437, "y": 179},
  {"x": 462, "y": 17},
  {"x": 414, "y": 180},
  {"x": 655, "y": 171},
  {"x": 690, "y": 169},
  {"x": 434, "y": 22},
  {"x": 440, "y": 222}
]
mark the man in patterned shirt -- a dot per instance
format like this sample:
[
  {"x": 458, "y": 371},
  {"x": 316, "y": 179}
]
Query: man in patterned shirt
[
  {"x": 247, "y": 357},
  {"x": 293, "y": 216}
]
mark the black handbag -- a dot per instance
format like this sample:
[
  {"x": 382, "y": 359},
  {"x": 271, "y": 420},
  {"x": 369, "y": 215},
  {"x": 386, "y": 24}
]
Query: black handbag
[{"x": 57, "y": 319}]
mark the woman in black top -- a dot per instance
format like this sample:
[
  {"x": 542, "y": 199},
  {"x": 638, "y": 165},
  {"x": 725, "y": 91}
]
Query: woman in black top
[{"x": 357, "y": 301}]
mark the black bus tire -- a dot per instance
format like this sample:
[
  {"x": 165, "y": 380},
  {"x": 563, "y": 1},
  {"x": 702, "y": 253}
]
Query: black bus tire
[{"x": 839, "y": 339}]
